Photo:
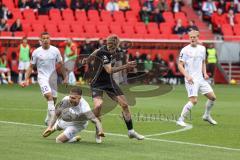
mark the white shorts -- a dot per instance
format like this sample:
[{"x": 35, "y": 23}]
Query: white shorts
[
  {"x": 23, "y": 65},
  {"x": 202, "y": 86},
  {"x": 4, "y": 70},
  {"x": 70, "y": 130},
  {"x": 48, "y": 86}
]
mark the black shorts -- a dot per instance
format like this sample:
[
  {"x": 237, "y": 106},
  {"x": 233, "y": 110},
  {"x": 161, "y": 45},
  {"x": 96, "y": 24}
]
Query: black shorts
[{"x": 112, "y": 90}]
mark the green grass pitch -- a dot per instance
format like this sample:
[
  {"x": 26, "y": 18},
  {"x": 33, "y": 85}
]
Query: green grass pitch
[{"x": 22, "y": 112}]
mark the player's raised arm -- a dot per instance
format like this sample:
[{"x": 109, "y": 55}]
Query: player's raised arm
[{"x": 111, "y": 69}]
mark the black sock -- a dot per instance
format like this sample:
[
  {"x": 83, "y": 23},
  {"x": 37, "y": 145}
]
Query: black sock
[{"x": 128, "y": 123}]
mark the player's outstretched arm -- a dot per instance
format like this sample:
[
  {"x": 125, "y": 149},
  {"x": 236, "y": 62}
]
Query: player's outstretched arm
[
  {"x": 111, "y": 69},
  {"x": 50, "y": 129},
  {"x": 95, "y": 120}
]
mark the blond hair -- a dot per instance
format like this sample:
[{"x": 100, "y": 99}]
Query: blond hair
[{"x": 193, "y": 33}]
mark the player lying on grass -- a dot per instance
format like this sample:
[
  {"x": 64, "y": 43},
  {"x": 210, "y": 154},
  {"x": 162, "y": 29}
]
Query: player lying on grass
[
  {"x": 193, "y": 66},
  {"x": 78, "y": 106}
]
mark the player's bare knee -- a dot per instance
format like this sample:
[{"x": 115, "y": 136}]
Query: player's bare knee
[
  {"x": 49, "y": 97},
  {"x": 213, "y": 98},
  {"x": 194, "y": 101},
  {"x": 124, "y": 106}
]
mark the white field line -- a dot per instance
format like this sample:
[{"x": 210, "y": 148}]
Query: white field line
[
  {"x": 171, "y": 132},
  {"x": 111, "y": 114},
  {"x": 149, "y": 139}
]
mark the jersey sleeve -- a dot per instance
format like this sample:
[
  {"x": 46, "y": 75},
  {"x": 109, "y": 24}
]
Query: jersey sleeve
[
  {"x": 34, "y": 58},
  {"x": 182, "y": 56},
  {"x": 85, "y": 106},
  {"x": 59, "y": 56}
]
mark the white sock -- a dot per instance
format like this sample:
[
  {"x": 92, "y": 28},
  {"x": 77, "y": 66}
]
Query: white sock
[
  {"x": 3, "y": 76},
  {"x": 131, "y": 131},
  {"x": 9, "y": 77},
  {"x": 186, "y": 110},
  {"x": 51, "y": 110},
  {"x": 58, "y": 141},
  {"x": 209, "y": 105},
  {"x": 20, "y": 77},
  {"x": 74, "y": 139},
  {"x": 33, "y": 81}
]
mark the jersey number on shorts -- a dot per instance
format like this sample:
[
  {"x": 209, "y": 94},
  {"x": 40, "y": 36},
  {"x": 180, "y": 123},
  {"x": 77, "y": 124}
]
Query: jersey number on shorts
[{"x": 44, "y": 89}]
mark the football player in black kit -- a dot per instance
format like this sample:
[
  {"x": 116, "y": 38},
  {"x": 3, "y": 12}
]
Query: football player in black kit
[{"x": 102, "y": 81}]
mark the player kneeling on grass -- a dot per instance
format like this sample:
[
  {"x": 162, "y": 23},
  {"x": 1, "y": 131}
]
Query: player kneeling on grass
[
  {"x": 78, "y": 106},
  {"x": 192, "y": 65}
]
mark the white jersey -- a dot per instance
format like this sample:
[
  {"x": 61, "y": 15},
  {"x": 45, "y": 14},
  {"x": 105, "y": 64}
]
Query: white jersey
[
  {"x": 46, "y": 60},
  {"x": 82, "y": 107},
  {"x": 193, "y": 58}
]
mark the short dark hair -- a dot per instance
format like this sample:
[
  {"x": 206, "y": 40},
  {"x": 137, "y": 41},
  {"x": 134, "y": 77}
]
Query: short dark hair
[
  {"x": 77, "y": 90},
  {"x": 44, "y": 33},
  {"x": 24, "y": 37}
]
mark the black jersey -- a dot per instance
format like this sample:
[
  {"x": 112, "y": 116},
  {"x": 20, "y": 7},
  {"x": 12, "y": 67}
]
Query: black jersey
[{"x": 101, "y": 77}]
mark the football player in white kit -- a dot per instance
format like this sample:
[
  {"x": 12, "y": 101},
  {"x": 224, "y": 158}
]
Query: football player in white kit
[
  {"x": 45, "y": 59},
  {"x": 76, "y": 104},
  {"x": 192, "y": 65}
]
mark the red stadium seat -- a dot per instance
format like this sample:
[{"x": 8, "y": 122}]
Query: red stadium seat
[
  {"x": 51, "y": 28},
  {"x": 77, "y": 29},
  {"x": 236, "y": 29},
  {"x": 67, "y": 15},
  {"x": 140, "y": 28},
  {"x": 29, "y": 15},
  {"x": 6, "y": 34},
  {"x": 128, "y": 30},
  {"x": 17, "y": 13},
  {"x": 237, "y": 18},
  {"x": 131, "y": 16},
  {"x": 42, "y": 19},
  {"x": 9, "y": 4},
  {"x": 90, "y": 29},
  {"x": 81, "y": 16},
  {"x": 116, "y": 29},
  {"x": 119, "y": 16},
  {"x": 106, "y": 16},
  {"x": 38, "y": 28},
  {"x": 168, "y": 16},
  {"x": 64, "y": 28},
  {"x": 93, "y": 15},
  {"x": 26, "y": 27},
  {"x": 33, "y": 34},
  {"x": 166, "y": 28},
  {"x": 55, "y": 15},
  {"x": 153, "y": 28},
  {"x": 227, "y": 30},
  {"x": 180, "y": 15},
  {"x": 19, "y": 34},
  {"x": 103, "y": 29}
]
